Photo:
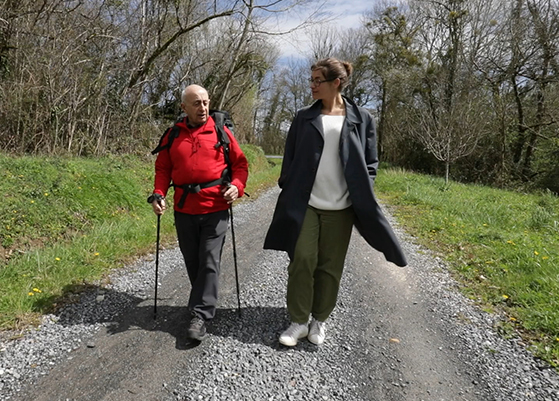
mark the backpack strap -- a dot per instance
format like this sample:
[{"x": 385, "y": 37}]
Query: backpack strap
[
  {"x": 221, "y": 120},
  {"x": 195, "y": 188},
  {"x": 222, "y": 137},
  {"x": 172, "y": 132}
]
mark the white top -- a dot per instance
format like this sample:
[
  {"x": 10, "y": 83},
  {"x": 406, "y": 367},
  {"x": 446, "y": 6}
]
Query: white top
[{"x": 329, "y": 191}]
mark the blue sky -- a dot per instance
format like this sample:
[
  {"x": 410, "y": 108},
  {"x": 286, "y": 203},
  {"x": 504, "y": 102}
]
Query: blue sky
[{"x": 343, "y": 14}]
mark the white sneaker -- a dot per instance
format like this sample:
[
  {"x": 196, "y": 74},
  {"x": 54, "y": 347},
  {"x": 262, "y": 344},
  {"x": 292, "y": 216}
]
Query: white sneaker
[
  {"x": 293, "y": 333},
  {"x": 317, "y": 332}
]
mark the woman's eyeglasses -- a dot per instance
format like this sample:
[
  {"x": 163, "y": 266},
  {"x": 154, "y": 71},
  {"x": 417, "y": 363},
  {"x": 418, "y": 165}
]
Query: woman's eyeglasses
[{"x": 317, "y": 82}]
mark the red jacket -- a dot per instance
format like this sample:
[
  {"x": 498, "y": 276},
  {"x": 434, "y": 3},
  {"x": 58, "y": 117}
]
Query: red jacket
[{"x": 194, "y": 159}]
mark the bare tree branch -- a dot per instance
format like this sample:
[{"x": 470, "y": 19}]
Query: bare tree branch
[{"x": 140, "y": 72}]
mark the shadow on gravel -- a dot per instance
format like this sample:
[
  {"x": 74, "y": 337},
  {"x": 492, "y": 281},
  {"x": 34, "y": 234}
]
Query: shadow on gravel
[
  {"x": 122, "y": 312},
  {"x": 257, "y": 325}
]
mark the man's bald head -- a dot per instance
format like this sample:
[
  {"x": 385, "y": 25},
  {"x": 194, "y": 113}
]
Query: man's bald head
[
  {"x": 192, "y": 89},
  {"x": 196, "y": 104}
]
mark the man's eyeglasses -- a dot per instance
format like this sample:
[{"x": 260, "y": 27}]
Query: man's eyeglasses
[{"x": 317, "y": 82}]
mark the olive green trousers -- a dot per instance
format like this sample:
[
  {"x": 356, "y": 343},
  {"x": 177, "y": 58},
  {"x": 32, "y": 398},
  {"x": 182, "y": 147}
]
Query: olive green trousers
[{"x": 318, "y": 262}]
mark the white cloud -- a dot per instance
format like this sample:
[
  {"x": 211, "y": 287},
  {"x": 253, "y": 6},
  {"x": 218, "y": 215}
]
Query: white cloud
[{"x": 341, "y": 15}]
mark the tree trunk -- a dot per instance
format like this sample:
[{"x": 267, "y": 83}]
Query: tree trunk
[
  {"x": 236, "y": 54},
  {"x": 526, "y": 168},
  {"x": 382, "y": 120},
  {"x": 521, "y": 138}
]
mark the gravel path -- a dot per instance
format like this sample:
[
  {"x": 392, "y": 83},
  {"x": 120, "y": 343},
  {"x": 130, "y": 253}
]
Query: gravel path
[{"x": 396, "y": 334}]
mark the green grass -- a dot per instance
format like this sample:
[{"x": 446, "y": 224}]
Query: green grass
[
  {"x": 66, "y": 222},
  {"x": 263, "y": 172},
  {"x": 502, "y": 245}
]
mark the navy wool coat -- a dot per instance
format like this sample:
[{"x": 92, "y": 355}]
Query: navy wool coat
[{"x": 358, "y": 154}]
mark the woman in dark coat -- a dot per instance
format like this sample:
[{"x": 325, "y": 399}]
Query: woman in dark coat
[{"x": 327, "y": 177}]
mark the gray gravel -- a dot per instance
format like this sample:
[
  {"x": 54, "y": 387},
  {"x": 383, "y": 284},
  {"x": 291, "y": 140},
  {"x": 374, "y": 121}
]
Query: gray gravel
[{"x": 241, "y": 359}]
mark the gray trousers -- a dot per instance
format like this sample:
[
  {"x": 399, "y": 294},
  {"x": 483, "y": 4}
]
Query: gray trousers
[{"x": 201, "y": 238}]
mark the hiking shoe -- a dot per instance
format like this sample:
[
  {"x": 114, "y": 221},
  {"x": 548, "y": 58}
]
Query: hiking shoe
[
  {"x": 196, "y": 328},
  {"x": 317, "y": 332},
  {"x": 293, "y": 333}
]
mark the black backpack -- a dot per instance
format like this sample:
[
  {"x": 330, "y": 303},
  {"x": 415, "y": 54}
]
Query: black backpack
[{"x": 222, "y": 119}]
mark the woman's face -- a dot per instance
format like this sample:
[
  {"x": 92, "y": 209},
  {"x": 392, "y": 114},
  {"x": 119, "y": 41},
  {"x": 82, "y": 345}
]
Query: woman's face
[{"x": 322, "y": 88}]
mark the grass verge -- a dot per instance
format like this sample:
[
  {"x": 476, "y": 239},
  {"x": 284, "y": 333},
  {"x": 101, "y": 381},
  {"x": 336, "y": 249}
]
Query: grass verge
[
  {"x": 66, "y": 222},
  {"x": 502, "y": 245}
]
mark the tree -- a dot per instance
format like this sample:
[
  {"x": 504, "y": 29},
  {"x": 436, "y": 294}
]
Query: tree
[
  {"x": 287, "y": 91},
  {"x": 453, "y": 135},
  {"x": 102, "y": 76},
  {"x": 391, "y": 57}
]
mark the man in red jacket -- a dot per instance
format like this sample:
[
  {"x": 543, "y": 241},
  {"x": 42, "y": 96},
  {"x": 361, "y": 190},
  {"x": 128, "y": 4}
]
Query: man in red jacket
[{"x": 195, "y": 163}]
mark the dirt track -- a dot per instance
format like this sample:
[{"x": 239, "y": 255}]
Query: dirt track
[{"x": 388, "y": 339}]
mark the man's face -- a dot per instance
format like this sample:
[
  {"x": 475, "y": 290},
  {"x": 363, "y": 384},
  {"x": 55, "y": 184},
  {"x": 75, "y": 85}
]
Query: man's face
[{"x": 196, "y": 106}]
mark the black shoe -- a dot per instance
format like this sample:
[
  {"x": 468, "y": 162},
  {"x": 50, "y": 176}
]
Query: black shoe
[{"x": 197, "y": 328}]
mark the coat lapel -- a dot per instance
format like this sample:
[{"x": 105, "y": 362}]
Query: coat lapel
[
  {"x": 352, "y": 118},
  {"x": 313, "y": 114}
]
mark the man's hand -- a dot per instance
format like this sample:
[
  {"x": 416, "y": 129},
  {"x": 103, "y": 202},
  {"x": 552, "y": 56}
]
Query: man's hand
[
  {"x": 159, "y": 206},
  {"x": 230, "y": 193},
  {"x": 157, "y": 203}
]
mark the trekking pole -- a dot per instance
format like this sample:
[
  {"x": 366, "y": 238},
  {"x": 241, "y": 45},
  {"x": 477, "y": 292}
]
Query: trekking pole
[
  {"x": 156, "y": 267},
  {"x": 235, "y": 259}
]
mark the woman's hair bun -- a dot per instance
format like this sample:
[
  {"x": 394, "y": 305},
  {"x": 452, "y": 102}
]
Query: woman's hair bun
[{"x": 348, "y": 67}]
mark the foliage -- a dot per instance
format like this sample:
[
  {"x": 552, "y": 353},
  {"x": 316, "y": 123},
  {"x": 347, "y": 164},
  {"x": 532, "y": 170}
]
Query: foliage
[
  {"x": 97, "y": 77},
  {"x": 475, "y": 87},
  {"x": 464, "y": 89}
]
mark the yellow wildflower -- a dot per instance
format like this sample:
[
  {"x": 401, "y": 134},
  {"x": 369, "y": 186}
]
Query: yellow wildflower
[
  {"x": 536, "y": 253},
  {"x": 37, "y": 290},
  {"x": 57, "y": 259},
  {"x": 31, "y": 294},
  {"x": 505, "y": 296},
  {"x": 46, "y": 194},
  {"x": 545, "y": 257}
]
